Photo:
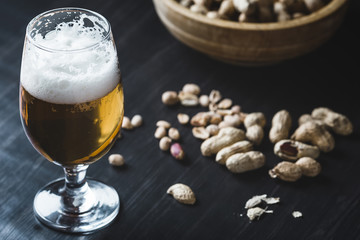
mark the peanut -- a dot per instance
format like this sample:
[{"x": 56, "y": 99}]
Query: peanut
[
  {"x": 165, "y": 143},
  {"x": 292, "y": 150},
  {"x": 188, "y": 99},
  {"x": 212, "y": 129},
  {"x": 254, "y": 10},
  {"x": 200, "y": 119},
  {"x": 136, "y": 121},
  {"x": 236, "y": 109},
  {"x": 198, "y": 9},
  {"x": 170, "y": 98},
  {"x": 205, "y": 3},
  {"x": 256, "y": 118},
  {"x": 163, "y": 123},
  {"x": 200, "y": 132},
  {"x": 307, "y": 118},
  {"x": 254, "y": 123},
  {"x": 214, "y": 96},
  {"x": 174, "y": 134},
  {"x": 213, "y": 106},
  {"x": 126, "y": 123},
  {"x": 192, "y": 87},
  {"x": 224, "y": 138},
  {"x": 225, "y": 103},
  {"x": 233, "y": 120},
  {"x": 160, "y": 132},
  {"x": 215, "y": 118},
  {"x": 313, "y": 5},
  {"x": 116, "y": 160},
  {"x": 204, "y": 99},
  {"x": 255, "y": 133},
  {"x": 176, "y": 151},
  {"x": 286, "y": 171},
  {"x": 183, "y": 118},
  {"x": 283, "y": 16},
  {"x": 243, "y": 162},
  {"x": 182, "y": 193},
  {"x": 309, "y": 166},
  {"x": 226, "y": 9},
  {"x": 213, "y": 15},
  {"x": 224, "y": 124},
  {"x": 281, "y": 124},
  {"x": 316, "y": 135},
  {"x": 186, "y": 3},
  {"x": 224, "y": 112},
  {"x": 238, "y": 147},
  {"x": 337, "y": 122},
  {"x": 297, "y": 15}
]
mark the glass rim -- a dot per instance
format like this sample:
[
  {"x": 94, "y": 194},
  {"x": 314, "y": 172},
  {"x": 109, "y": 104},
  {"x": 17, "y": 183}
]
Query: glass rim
[{"x": 39, "y": 16}]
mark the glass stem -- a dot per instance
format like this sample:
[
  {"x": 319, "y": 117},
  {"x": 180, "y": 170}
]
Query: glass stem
[{"x": 76, "y": 197}]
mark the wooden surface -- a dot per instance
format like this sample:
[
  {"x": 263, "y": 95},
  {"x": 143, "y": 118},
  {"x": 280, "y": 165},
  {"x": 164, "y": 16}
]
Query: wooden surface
[
  {"x": 152, "y": 61},
  {"x": 251, "y": 43}
]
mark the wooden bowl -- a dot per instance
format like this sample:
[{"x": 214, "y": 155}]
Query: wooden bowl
[{"x": 251, "y": 43}]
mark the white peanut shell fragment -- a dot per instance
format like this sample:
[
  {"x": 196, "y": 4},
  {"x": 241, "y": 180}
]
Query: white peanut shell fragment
[
  {"x": 243, "y": 162},
  {"x": 271, "y": 200},
  {"x": 256, "y": 212},
  {"x": 297, "y": 214},
  {"x": 238, "y": 147},
  {"x": 255, "y": 200},
  {"x": 182, "y": 193},
  {"x": 224, "y": 138},
  {"x": 292, "y": 150}
]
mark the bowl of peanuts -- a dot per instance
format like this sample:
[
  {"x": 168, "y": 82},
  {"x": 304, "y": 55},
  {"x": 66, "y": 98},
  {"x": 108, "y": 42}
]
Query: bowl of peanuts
[{"x": 252, "y": 32}]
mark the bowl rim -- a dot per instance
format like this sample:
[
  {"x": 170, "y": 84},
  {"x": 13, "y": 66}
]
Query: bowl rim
[{"x": 330, "y": 8}]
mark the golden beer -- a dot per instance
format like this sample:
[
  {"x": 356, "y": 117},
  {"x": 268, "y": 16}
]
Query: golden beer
[{"x": 71, "y": 134}]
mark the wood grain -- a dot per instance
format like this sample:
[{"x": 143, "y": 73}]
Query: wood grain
[{"x": 152, "y": 61}]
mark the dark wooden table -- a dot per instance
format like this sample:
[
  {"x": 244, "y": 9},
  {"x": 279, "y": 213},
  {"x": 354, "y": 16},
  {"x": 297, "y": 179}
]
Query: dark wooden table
[{"x": 152, "y": 61}]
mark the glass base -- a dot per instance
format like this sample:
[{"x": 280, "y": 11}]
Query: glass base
[{"x": 48, "y": 208}]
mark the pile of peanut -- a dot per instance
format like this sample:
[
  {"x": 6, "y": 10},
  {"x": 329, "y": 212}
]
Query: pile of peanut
[
  {"x": 218, "y": 127},
  {"x": 316, "y": 130},
  {"x": 136, "y": 121},
  {"x": 254, "y": 10}
]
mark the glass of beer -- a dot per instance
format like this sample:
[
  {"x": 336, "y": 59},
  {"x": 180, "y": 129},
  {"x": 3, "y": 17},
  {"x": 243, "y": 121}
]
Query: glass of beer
[{"x": 71, "y": 104}]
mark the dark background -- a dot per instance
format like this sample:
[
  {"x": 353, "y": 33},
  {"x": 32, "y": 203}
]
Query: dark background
[{"x": 152, "y": 61}]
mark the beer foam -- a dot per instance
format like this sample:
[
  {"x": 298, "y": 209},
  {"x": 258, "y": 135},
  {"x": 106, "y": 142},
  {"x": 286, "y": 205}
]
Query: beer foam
[{"x": 71, "y": 64}]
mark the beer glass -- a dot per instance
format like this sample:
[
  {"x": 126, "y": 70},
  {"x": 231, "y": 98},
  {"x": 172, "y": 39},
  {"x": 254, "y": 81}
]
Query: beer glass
[{"x": 71, "y": 104}]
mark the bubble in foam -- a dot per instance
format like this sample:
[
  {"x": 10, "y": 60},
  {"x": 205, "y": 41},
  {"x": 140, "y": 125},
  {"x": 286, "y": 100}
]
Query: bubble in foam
[{"x": 68, "y": 76}]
